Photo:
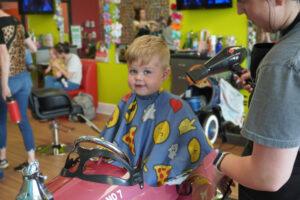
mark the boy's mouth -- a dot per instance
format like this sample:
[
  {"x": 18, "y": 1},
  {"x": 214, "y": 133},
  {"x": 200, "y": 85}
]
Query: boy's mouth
[{"x": 139, "y": 86}]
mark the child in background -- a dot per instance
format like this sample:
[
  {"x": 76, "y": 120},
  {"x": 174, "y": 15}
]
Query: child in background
[
  {"x": 56, "y": 73},
  {"x": 158, "y": 130}
]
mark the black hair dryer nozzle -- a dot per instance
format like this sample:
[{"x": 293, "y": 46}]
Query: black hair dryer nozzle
[{"x": 229, "y": 59}]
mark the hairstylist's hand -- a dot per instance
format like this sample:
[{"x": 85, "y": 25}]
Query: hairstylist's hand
[{"x": 242, "y": 80}]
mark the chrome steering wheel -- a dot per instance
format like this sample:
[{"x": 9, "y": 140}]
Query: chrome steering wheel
[{"x": 107, "y": 150}]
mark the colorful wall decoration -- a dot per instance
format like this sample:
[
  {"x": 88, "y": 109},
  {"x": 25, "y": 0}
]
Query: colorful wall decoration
[
  {"x": 176, "y": 24},
  {"x": 58, "y": 16},
  {"x": 111, "y": 26}
]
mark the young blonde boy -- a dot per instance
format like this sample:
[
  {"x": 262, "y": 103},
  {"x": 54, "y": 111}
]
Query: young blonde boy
[{"x": 157, "y": 129}]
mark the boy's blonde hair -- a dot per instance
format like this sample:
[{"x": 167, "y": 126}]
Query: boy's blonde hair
[{"x": 144, "y": 48}]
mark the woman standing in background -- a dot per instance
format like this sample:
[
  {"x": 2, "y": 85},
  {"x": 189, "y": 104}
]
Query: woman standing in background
[{"x": 16, "y": 81}]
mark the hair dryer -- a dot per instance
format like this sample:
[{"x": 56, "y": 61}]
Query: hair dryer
[{"x": 229, "y": 59}]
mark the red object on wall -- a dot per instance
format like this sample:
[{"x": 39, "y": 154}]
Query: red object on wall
[
  {"x": 65, "y": 13},
  {"x": 83, "y": 11},
  {"x": 89, "y": 82},
  {"x": 12, "y": 9}
]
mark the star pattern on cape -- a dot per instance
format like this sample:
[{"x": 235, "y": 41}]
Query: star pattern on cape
[{"x": 149, "y": 113}]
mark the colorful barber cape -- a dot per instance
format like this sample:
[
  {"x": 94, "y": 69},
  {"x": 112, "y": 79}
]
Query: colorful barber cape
[{"x": 160, "y": 134}]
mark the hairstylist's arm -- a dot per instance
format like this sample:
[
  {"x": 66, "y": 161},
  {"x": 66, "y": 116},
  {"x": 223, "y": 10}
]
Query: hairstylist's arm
[
  {"x": 267, "y": 169},
  {"x": 30, "y": 44},
  {"x": 4, "y": 59}
]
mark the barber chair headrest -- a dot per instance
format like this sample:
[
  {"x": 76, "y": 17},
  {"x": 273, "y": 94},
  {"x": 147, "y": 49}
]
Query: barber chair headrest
[
  {"x": 50, "y": 103},
  {"x": 51, "y": 99}
]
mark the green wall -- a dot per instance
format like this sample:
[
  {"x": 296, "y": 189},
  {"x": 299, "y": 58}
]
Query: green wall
[
  {"x": 225, "y": 22},
  {"x": 112, "y": 80},
  {"x": 42, "y": 24},
  {"x": 112, "y": 77}
]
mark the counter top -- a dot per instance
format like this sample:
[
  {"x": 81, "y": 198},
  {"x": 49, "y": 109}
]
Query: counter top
[{"x": 189, "y": 55}]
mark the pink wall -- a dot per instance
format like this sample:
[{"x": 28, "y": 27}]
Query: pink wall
[{"x": 86, "y": 10}]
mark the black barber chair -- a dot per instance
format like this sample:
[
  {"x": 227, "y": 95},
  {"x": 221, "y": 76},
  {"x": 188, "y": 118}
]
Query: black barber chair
[{"x": 51, "y": 103}]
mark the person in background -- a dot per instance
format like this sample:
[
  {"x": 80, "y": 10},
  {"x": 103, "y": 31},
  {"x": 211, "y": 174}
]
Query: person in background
[
  {"x": 73, "y": 70},
  {"x": 55, "y": 72},
  {"x": 157, "y": 27},
  {"x": 167, "y": 35},
  {"x": 154, "y": 29},
  {"x": 89, "y": 46},
  {"x": 156, "y": 129},
  {"x": 271, "y": 169},
  {"x": 15, "y": 81},
  {"x": 262, "y": 36},
  {"x": 140, "y": 24}
]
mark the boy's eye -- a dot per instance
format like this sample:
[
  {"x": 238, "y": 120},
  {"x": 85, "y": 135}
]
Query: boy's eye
[
  {"x": 132, "y": 71},
  {"x": 147, "y": 72}
]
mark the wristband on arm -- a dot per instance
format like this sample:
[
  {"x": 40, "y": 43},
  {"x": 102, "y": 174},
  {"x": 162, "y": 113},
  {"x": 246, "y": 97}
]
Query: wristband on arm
[{"x": 218, "y": 160}]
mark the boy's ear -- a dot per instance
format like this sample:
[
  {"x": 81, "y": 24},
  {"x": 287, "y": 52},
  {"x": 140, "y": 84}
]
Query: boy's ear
[{"x": 166, "y": 73}]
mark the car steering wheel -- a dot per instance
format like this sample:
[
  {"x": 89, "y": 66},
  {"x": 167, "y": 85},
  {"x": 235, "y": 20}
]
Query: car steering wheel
[{"x": 108, "y": 151}]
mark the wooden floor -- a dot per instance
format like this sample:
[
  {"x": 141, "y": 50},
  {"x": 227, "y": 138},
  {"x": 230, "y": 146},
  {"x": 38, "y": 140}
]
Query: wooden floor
[{"x": 51, "y": 165}]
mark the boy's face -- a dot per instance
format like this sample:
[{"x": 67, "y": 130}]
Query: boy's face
[{"x": 146, "y": 79}]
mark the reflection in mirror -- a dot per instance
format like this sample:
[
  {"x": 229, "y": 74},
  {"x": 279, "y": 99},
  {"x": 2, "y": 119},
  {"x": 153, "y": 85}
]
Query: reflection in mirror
[{"x": 155, "y": 10}]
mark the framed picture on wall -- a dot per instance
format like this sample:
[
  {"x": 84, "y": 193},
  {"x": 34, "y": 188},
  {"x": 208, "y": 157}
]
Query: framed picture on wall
[
  {"x": 120, "y": 53},
  {"x": 76, "y": 36},
  {"x": 101, "y": 52}
]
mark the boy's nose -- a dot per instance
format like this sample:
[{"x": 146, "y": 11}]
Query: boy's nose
[{"x": 139, "y": 76}]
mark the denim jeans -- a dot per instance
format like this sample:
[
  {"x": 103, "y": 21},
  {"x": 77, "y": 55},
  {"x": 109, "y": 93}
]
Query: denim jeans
[
  {"x": 1, "y": 174},
  {"x": 52, "y": 82},
  {"x": 20, "y": 86}
]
